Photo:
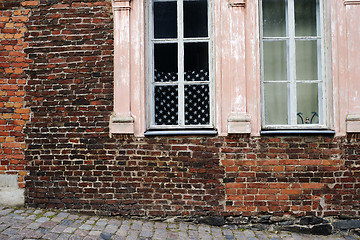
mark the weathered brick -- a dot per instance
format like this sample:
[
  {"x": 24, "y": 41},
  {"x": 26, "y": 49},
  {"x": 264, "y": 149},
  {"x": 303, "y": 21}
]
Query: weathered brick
[{"x": 64, "y": 74}]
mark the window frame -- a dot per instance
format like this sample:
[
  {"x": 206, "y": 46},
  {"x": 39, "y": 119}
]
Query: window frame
[
  {"x": 149, "y": 69},
  {"x": 291, "y": 66}
]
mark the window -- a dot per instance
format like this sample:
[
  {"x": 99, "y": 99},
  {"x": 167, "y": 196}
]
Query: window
[
  {"x": 292, "y": 72},
  {"x": 180, "y": 84}
]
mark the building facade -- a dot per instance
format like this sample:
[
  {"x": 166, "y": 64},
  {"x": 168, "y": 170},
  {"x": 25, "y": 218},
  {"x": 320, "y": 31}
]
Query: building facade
[{"x": 165, "y": 108}]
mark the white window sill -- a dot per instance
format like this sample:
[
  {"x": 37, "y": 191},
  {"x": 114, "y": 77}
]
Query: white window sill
[
  {"x": 179, "y": 132},
  {"x": 297, "y": 132}
]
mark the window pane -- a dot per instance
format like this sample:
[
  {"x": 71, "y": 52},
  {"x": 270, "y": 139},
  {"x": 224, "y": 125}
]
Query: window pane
[
  {"x": 276, "y": 103},
  {"x": 166, "y": 105},
  {"x": 165, "y": 20},
  {"x": 195, "y": 19},
  {"x": 197, "y": 104},
  {"x": 305, "y": 18},
  {"x": 196, "y": 61},
  {"x": 274, "y": 18},
  {"x": 166, "y": 62},
  {"x": 275, "y": 60},
  {"x": 307, "y": 103},
  {"x": 307, "y": 60}
]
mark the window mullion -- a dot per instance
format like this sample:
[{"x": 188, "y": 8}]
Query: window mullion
[
  {"x": 320, "y": 57},
  {"x": 292, "y": 63},
  {"x": 181, "y": 113},
  {"x": 151, "y": 91}
]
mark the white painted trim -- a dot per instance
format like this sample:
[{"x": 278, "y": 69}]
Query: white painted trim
[
  {"x": 292, "y": 94},
  {"x": 181, "y": 52},
  {"x": 180, "y": 132}
]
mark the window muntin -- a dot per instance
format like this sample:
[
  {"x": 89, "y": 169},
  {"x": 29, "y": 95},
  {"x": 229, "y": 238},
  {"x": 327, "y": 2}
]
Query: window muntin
[
  {"x": 180, "y": 85},
  {"x": 292, "y": 75}
]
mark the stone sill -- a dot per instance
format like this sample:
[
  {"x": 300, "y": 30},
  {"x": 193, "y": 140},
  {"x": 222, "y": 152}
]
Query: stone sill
[
  {"x": 353, "y": 123},
  {"x": 121, "y": 124},
  {"x": 239, "y": 123}
]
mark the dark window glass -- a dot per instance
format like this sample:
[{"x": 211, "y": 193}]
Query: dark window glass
[
  {"x": 165, "y": 23},
  {"x": 196, "y": 61},
  {"x": 166, "y": 62},
  {"x": 195, "y": 19}
]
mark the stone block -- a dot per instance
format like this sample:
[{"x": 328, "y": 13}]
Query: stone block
[
  {"x": 346, "y": 224},
  {"x": 10, "y": 196}
]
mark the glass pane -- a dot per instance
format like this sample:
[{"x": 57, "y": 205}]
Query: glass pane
[
  {"x": 305, "y": 18},
  {"x": 307, "y": 103},
  {"x": 196, "y": 61},
  {"x": 166, "y": 62},
  {"x": 197, "y": 104},
  {"x": 275, "y": 60},
  {"x": 276, "y": 103},
  {"x": 166, "y": 105},
  {"x": 274, "y": 18},
  {"x": 165, "y": 20},
  {"x": 195, "y": 19},
  {"x": 307, "y": 60}
]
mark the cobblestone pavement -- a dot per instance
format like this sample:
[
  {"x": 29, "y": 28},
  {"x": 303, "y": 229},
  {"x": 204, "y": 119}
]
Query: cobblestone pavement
[{"x": 51, "y": 224}]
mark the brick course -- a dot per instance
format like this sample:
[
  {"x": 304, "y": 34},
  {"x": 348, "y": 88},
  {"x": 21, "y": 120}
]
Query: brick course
[
  {"x": 13, "y": 112},
  {"x": 57, "y": 57}
]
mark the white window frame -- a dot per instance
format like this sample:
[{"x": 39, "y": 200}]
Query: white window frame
[
  {"x": 150, "y": 40},
  {"x": 291, "y": 61}
]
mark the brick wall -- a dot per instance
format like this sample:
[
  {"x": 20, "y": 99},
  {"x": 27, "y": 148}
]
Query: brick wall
[
  {"x": 310, "y": 175},
  {"x": 65, "y": 76},
  {"x": 13, "y": 61}
]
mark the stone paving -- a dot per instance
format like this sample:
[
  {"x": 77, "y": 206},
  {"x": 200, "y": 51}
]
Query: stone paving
[{"x": 50, "y": 224}]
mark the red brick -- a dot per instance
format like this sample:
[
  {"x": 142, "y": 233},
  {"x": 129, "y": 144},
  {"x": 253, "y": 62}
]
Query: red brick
[
  {"x": 30, "y": 3},
  {"x": 163, "y": 176},
  {"x": 312, "y": 185},
  {"x": 4, "y": 19},
  {"x": 235, "y": 185},
  {"x": 279, "y": 185},
  {"x": 19, "y": 19},
  {"x": 227, "y": 162},
  {"x": 291, "y": 191}
]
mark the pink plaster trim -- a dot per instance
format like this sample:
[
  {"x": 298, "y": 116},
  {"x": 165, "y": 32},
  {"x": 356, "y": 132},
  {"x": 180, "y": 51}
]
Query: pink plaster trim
[
  {"x": 252, "y": 63},
  {"x": 121, "y": 121},
  {"x": 353, "y": 123},
  {"x": 352, "y": 2},
  {"x": 239, "y": 123},
  {"x": 237, "y": 67},
  {"x": 121, "y": 5},
  {"x": 121, "y": 124},
  {"x": 237, "y": 3}
]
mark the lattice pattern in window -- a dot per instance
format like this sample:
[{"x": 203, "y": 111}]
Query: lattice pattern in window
[{"x": 180, "y": 65}]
